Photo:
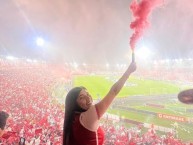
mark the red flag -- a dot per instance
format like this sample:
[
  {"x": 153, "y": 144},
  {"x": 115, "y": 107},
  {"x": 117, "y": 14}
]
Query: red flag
[
  {"x": 9, "y": 134},
  {"x": 37, "y": 131}
]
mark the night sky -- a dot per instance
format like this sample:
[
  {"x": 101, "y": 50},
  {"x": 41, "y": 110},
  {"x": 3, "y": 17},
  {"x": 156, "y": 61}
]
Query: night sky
[{"x": 92, "y": 31}]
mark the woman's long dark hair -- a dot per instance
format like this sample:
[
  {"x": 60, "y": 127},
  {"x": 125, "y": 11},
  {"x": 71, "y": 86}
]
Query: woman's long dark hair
[{"x": 71, "y": 107}]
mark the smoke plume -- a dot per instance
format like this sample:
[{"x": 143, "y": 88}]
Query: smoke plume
[{"x": 141, "y": 10}]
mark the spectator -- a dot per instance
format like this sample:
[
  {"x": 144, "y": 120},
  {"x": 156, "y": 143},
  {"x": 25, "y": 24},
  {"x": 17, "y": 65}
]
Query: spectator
[
  {"x": 3, "y": 120},
  {"x": 81, "y": 122},
  {"x": 186, "y": 96}
]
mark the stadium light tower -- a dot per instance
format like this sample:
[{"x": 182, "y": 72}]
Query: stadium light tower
[
  {"x": 107, "y": 65},
  {"x": 144, "y": 53},
  {"x": 75, "y": 65},
  {"x": 84, "y": 64},
  {"x": 10, "y": 57},
  {"x": 40, "y": 41}
]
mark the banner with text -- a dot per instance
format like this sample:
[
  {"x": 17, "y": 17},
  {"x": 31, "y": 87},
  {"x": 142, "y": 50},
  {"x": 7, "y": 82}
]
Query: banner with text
[{"x": 172, "y": 117}]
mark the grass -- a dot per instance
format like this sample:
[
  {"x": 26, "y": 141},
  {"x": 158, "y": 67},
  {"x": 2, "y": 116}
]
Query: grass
[{"x": 100, "y": 85}]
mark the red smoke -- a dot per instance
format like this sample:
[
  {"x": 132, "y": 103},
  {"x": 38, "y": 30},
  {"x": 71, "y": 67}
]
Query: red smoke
[{"x": 141, "y": 10}]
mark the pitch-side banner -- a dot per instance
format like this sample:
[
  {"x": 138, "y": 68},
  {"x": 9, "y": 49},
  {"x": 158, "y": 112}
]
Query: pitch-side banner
[{"x": 172, "y": 117}]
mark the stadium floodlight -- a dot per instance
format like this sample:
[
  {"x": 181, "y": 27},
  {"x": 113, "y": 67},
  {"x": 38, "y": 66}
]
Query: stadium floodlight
[
  {"x": 144, "y": 52},
  {"x": 75, "y": 65},
  {"x": 84, "y": 64},
  {"x": 28, "y": 60},
  {"x": 107, "y": 65},
  {"x": 40, "y": 41},
  {"x": 35, "y": 61},
  {"x": 176, "y": 60},
  {"x": 167, "y": 60},
  {"x": 11, "y": 58}
]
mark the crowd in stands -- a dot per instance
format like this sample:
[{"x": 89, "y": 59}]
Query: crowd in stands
[
  {"x": 36, "y": 117},
  {"x": 168, "y": 74},
  {"x": 24, "y": 92},
  {"x": 120, "y": 135}
]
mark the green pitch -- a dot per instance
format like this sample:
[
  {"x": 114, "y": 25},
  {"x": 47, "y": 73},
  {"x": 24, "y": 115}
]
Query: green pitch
[{"x": 100, "y": 85}]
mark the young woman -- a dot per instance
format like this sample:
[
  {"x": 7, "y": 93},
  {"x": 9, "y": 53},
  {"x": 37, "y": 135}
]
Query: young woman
[{"x": 81, "y": 121}]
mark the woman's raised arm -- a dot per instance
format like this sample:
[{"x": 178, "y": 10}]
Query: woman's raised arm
[{"x": 103, "y": 105}]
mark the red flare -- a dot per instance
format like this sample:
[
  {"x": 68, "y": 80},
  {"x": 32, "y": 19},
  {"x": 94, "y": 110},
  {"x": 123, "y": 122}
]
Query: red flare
[{"x": 141, "y": 10}]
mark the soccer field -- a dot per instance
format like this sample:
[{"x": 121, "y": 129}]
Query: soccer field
[{"x": 100, "y": 85}]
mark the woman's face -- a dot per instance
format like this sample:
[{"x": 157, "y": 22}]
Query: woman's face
[{"x": 84, "y": 99}]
